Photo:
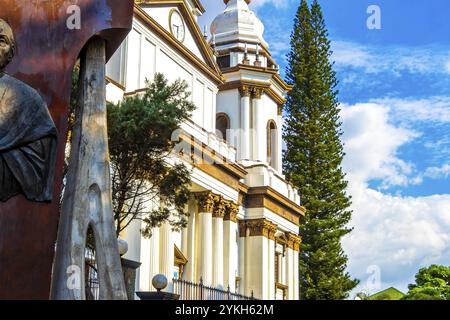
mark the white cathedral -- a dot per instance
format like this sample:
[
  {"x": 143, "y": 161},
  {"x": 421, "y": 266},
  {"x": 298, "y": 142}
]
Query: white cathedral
[{"x": 242, "y": 236}]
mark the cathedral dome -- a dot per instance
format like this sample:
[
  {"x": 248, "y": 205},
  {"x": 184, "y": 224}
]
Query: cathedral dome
[{"x": 238, "y": 22}]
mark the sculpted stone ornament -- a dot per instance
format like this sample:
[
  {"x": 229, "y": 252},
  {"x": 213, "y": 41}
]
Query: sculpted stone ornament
[{"x": 27, "y": 134}]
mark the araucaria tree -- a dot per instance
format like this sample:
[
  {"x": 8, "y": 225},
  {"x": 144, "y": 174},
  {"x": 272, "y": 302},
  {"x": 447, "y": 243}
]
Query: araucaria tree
[
  {"x": 313, "y": 157},
  {"x": 147, "y": 183}
]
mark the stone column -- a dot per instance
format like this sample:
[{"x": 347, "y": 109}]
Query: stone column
[
  {"x": 294, "y": 241},
  {"x": 283, "y": 267},
  {"x": 258, "y": 275},
  {"x": 259, "y": 128},
  {"x": 245, "y": 123},
  {"x": 154, "y": 254},
  {"x": 205, "y": 252},
  {"x": 290, "y": 272},
  {"x": 167, "y": 255},
  {"x": 144, "y": 270},
  {"x": 217, "y": 221},
  {"x": 230, "y": 260},
  {"x": 189, "y": 270},
  {"x": 242, "y": 263},
  {"x": 296, "y": 276},
  {"x": 271, "y": 269}
]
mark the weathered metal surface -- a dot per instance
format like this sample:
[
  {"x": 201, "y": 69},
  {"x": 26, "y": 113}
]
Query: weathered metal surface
[
  {"x": 87, "y": 196},
  {"x": 28, "y": 138},
  {"x": 46, "y": 53}
]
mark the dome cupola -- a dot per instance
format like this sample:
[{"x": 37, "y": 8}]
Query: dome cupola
[{"x": 238, "y": 23}]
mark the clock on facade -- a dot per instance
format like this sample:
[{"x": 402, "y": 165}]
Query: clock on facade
[{"x": 177, "y": 27}]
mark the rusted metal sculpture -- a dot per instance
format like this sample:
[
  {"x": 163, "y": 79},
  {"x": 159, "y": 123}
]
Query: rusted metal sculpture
[
  {"x": 27, "y": 133},
  {"x": 47, "y": 50}
]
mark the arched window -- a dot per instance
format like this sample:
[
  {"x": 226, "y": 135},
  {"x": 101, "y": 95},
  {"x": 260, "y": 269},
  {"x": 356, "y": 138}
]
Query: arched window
[
  {"x": 222, "y": 125},
  {"x": 272, "y": 144}
]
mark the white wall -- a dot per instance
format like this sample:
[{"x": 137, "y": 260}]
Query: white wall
[
  {"x": 147, "y": 54},
  {"x": 133, "y": 71},
  {"x": 148, "y": 61}
]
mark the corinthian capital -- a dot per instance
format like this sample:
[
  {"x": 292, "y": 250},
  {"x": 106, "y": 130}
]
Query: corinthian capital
[
  {"x": 231, "y": 211},
  {"x": 258, "y": 227},
  {"x": 205, "y": 201},
  {"x": 220, "y": 206},
  {"x": 293, "y": 241},
  {"x": 245, "y": 91},
  {"x": 257, "y": 93}
]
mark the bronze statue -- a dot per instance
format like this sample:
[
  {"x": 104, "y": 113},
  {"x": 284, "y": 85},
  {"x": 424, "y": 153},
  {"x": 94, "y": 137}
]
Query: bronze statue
[{"x": 28, "y": 136}]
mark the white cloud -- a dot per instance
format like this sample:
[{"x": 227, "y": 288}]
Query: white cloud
[
  {"x": 371, "y": 144},
  {"x": 438, "y": 172},
  {"x": 373, "y": 60},
  {"x": 396, "y": 233},
  {"x": 374, "y": 132},
  {"x": 447, "y": 64},
  {"x": 276, "y": 3},
  {"x": 433, "y": 109}
]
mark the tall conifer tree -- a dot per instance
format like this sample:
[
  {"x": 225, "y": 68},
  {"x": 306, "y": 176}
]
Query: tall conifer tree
[{"x": 313, "y": 157}]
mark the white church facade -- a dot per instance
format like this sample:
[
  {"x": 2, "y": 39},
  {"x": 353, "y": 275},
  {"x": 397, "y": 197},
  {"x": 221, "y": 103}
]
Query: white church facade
[{"x": 242, "y": 233}]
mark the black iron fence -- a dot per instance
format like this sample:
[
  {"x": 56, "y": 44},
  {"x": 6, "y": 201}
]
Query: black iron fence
[
  {"x": 92, "y": 286},
  {"x": 198, "y": 291}
]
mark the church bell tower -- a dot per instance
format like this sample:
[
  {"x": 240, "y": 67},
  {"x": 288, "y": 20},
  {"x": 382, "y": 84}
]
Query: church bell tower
[{"x": 250, "y": 102}]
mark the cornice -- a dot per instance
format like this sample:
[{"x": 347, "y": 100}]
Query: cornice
[
  {"x": 249, "y": 67},
  {"x": 263, "y": 47},
  {"x": 198, "y": 5},
  {"x": 276, "y": 76},
  {"x": 246, "y": 86},
  {"x": 281, "y": 199},
  {"x": 287, "y": 87}
]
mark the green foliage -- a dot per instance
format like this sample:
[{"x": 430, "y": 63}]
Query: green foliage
[
  {"x": 313, "y": 157},
  {"x": 362, "y": 296},
  {"x": 74, "y": 101},
  {"x": 140, "y": 129},
  {"x": 388, "y": 294},
  {"x": 432, "y": 283}
]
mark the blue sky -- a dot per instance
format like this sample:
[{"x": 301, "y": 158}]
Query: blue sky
[{"x": 395, "y": 96}]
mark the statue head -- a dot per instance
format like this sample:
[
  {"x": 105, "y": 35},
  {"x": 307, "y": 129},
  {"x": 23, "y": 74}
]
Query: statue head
[{"x": 7, "y": 44}]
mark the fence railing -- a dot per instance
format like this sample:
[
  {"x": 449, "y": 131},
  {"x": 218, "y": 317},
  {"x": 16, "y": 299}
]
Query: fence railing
[
  {"x": 198, "y": 291},
  {"x": 92, "y": 286}
]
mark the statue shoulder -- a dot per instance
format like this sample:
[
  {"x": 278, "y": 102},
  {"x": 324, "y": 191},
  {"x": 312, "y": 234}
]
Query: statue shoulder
[{"x": 21, "y": 90}]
